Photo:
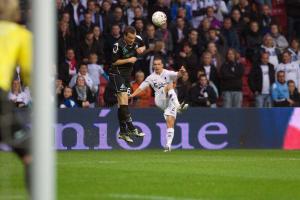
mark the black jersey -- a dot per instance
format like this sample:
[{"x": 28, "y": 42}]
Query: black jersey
[{"x": 121, "y": 50}]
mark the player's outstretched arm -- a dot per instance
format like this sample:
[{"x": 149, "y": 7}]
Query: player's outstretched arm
[{"x": 136, "y": 92}]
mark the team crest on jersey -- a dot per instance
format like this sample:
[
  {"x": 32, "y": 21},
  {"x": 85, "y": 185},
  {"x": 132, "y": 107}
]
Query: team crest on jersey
[{"x": 116, "y": 48}]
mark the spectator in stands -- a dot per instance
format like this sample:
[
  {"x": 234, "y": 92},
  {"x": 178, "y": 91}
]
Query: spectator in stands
[
  {"x": 59, "y": 88},
  {"x": 88, "y": 46},
  {"x": 139, "y": 26},
  {"x": 110, "y": 40},
  {"x": 76, "y": 11},
  {"x": 164, "y": 34},
  {"x": 294, "y": 94},
  {"x": 138, "y": 14},
  {"x": 130, "y": 11},
  {"x": 209, "y": 69},
  {"x": 149, "y": 38},
  {"x": 291, "y": 69},
  {"x": 107, "y": 15},
  {"x": 159, "y": 49},
  {"x": 99, "y": 40},
  {"x": 118, "y": 18},
  {"x": 253, "y": 41},
  {"x": 202, "y": 94},
  {"x": 83, "y": 72},
  {"x": 193, "y": 39},
  {"x": 203, "y": 31},
  {"x": 261, "y": 78},
  {"x": 67, "y": 69},
  {"x": 280, "y": 41},
  {"x": 179, "y": 32},
  {"x": 231, "y": 80},
  {"x": 265, "y": 18},
  {"x": 189, "y": 60},
  {"x": 238, "y": 23},
  {"x": 215, "y": 36},
  {"x": 292, "y": 9},
  {"x": 230, "y": 35},
  {"x": 86, "y": 26},
  {"x": 95, "y": 71},
  {"x": 82, "y": 93},
  {"x": 92, "y": 9},
  {"x": 65, "y": 18},
  {"x": 183, "y": 87},
  {"x": 17, "y": 96},
  {"x": 244, "y": 7},
  {"x": 65, "y": 40},
  {"x": 217, "y": 58},
  {"x": 181, "y": 4},
  {"x": 142, "y": 100},
  {"x": 210, "y": 15},
  {"x": 269, "y": 47},
  {"x": 280, "y": 91},
  {"x": 294, "y": 49},
  {"x": 67, "y": 100}
]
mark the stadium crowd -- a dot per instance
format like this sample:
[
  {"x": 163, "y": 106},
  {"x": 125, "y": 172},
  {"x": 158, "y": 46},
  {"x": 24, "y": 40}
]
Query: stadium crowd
[{"x": 238, "y": 53}]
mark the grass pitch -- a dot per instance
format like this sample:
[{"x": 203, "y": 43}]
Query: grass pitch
[{"x": 154, "y": 175}]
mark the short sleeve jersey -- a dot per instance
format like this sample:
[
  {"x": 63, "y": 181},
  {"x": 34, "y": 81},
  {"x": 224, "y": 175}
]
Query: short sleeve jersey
[
  {"x": 158, "y": 81},
  {"x": 121, "y": 50}
]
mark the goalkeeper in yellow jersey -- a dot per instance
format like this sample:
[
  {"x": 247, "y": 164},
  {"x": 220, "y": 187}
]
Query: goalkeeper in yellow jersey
[{"x": 15, "y": 50}]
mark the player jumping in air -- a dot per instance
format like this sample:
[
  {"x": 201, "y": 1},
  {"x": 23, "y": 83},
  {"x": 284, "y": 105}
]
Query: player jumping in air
[
  {"x": 124, "y": 56},
  {"x": 161, "y": 80},
  {"x": 15, "y": 49}
]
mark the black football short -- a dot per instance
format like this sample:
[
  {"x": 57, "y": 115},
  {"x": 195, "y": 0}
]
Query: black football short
[
  {"x": 12, "y": 129},
  {"x": 119, "y": 83}
]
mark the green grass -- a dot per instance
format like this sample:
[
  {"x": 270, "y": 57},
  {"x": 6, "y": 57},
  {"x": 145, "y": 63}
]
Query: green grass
[{"x": 154, "y": 175}]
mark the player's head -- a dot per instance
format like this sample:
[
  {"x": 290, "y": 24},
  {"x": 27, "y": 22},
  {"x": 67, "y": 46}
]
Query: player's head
[
  {"x": 129, "y": 35},
  {"x": 158, "y": 64},
  {"x": 9, "y": 10}
]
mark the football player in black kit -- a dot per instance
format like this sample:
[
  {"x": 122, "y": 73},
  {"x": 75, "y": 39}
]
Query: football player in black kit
[{"x": 125, "y": 52}]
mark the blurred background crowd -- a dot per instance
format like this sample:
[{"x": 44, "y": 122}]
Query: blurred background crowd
[{"x": 238, "y": 53}]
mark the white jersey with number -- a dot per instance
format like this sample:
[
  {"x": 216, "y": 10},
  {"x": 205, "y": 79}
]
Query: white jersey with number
[{"x": 159, "y": 81}]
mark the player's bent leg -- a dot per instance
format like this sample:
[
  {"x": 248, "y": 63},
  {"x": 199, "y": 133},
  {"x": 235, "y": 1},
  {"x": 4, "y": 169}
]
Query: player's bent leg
[{"x": 171, "y": 94}]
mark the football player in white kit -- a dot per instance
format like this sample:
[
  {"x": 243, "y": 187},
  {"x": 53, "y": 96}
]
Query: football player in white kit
[{"x": 162, "y": 81}]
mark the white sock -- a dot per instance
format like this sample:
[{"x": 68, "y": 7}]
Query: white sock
[
  {"x": 170, "y": 136},
  {"x": 173, "y": 97}
]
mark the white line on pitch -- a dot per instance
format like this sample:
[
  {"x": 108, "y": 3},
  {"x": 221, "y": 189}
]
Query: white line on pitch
[{"x": 148, "y": 197}]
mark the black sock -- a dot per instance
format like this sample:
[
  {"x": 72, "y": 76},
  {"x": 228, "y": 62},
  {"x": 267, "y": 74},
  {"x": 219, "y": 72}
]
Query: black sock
[
  {"x": 122, "y": 120},
  {"x": 128, "y": 118}
]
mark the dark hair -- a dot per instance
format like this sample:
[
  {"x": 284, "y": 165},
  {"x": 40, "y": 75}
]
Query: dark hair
[
  {"x": 68, "y": 87},
  {"x": 158, "y": 57},
  {"x": 290, "y": 81},
  {"x": 129, "y": 29},
  {"x": 280, "y": 71}
]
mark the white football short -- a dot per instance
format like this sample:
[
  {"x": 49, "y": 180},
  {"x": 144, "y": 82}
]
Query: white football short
[{"x": 164, "y": 103}]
